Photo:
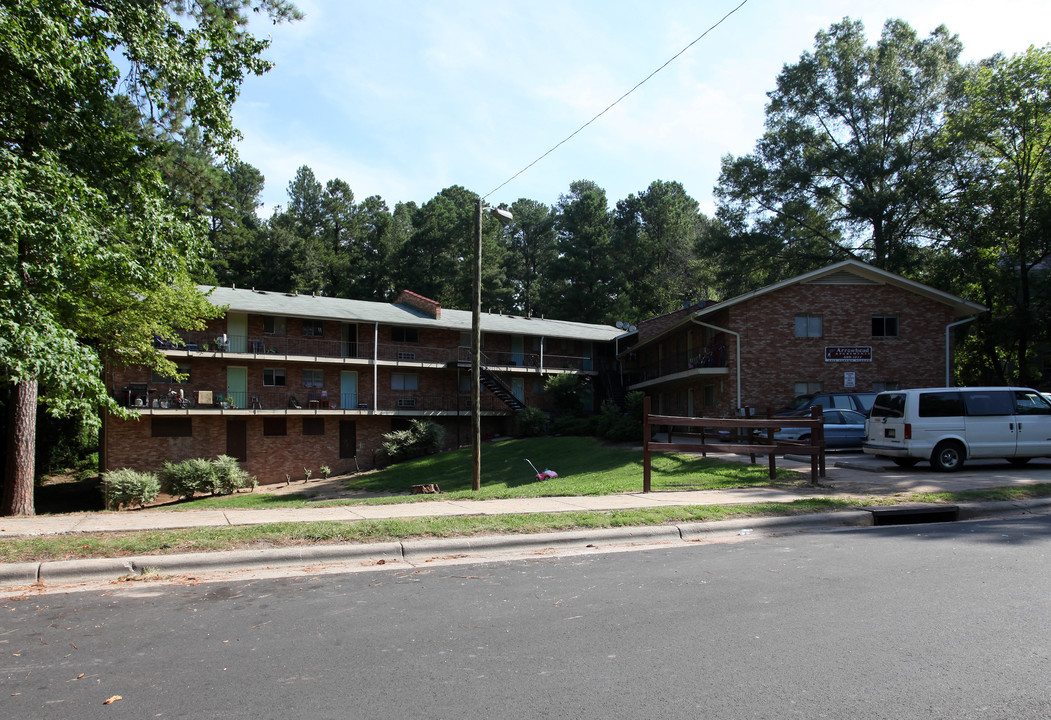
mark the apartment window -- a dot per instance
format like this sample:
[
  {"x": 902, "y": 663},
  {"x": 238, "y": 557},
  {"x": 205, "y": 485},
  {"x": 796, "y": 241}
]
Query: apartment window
[
  {"x": 273, "y": 325},
  {"x": 158, "y": 379},
  {"x": 275, "y": 426},
  {"x": 171, "y": 427},
  {"x": 404, "y": 381},
  {"x": 886, "y": 385},
  {"x": 313, "y": 328},
  {"x": 313, "y": 426},
  {"x": 804, "y": 387},
  {"x": 808, "y": 326},
  {"x": 884, "y": 326},
  {"x": 404, "y": 334},
  {"x": 313, "y": 378},
  {"x": 708, "y": 396},
  {"x": 274, "y": 377}
]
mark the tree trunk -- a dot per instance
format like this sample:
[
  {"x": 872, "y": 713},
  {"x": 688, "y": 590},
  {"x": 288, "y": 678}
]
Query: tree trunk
[{"x": 21, "y": 445}]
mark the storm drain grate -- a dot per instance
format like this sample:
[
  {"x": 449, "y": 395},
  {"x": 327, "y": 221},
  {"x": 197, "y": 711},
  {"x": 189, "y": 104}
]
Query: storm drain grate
[{"x": 915, "y": 515}]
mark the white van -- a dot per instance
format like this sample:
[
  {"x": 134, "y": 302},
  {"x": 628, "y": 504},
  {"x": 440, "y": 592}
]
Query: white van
[{"x": 949, "y": 425}]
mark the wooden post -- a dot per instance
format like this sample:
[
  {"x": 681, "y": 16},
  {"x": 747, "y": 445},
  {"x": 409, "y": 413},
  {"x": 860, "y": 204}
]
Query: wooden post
[
  {"x": 646, "y": 444},
  {"x": 773, "y": 462}
]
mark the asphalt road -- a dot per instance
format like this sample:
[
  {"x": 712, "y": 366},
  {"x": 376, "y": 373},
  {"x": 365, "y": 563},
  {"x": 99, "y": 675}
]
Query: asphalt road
[{"x": 921, "y": 621}]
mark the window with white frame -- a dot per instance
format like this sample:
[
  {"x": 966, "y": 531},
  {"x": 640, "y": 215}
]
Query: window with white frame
[
  {"x": 808, "y": 326},
  {"x": 274, "y": 377},
  {"x": 313, "y": 328},
  {"x": 313, "y": 378},
  {"x": 884, "y": 326},
  {"x": 158, "y": 379},
  {"x": 273, "y": 325},
  {"x": 404, "y": 381},
  {"x": 804, "y": 387}
]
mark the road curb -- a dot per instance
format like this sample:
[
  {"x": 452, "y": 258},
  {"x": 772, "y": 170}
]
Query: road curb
[
  {"x": 423, "y": 550},
  {"x": 416, "y": 551},
  {"x": 818, "y": 521},
  {"x": 971, "y": 511}
]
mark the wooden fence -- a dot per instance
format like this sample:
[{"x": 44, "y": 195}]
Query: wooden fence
[{"x": 746, "y": 435}]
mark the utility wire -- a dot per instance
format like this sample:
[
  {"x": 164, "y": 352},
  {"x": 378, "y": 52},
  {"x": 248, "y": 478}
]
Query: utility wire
[{"x": 610, "y": 107}]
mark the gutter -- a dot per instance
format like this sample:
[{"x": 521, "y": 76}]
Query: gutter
[{"x": 948, "y": 360}]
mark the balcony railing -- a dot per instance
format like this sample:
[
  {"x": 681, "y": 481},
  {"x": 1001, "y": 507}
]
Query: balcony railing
[
  {"x": 194, "y": 397},
  {"x": 283, "y": 346},
  {"x": 709, "y": 357},
  {"x": 491, "y": 358},
  {"x": 278, "y": 346}
]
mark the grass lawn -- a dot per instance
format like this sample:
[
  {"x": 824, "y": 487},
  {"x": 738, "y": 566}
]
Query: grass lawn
[{"x": 585, "y": 466}]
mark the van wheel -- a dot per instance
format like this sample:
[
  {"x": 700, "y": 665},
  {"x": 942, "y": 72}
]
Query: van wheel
[
  {"x": 1018, "y": 462},
  {"x": 948, "y": 456},
  {"x": 904, "y": 462}
]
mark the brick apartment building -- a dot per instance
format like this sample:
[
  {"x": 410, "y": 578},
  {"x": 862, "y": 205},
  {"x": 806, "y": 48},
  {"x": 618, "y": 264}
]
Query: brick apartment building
[
  {"x": 848, "y": 327},
  {"x": 285, "y": 382}
]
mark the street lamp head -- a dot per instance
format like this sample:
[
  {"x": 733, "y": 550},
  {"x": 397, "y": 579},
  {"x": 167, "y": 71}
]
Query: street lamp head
[{"x": 504, "y": 216}]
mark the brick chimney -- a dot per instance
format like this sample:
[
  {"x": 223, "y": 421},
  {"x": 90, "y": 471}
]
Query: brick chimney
[{"x": 419, "y": 302}]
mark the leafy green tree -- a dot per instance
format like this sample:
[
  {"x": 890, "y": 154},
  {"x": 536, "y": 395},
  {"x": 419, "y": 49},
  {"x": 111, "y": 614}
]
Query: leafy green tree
[
  {"x": 1000, "y": 215},
  {"x": 654, "y": 240},
  {"x": 582, "y": 277},
  {"x": 850, "y": 156},
  {"x": 97, "y": 257},
  {"x": 531, "y": 253}
]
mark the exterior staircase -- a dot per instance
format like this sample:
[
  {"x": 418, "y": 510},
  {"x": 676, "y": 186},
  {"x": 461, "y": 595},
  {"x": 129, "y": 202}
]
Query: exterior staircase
[{"x": 499, "y": 388}]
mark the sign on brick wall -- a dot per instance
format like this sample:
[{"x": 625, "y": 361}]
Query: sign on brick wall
[{"x": 840, "y": 353}]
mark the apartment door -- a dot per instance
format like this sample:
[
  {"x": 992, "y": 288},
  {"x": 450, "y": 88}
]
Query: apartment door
[
  {"x": 517, "y": 351},
  {"x": 350, "y": 340},
  {"x": 237, "y": 438},
  {"x": 237, "y": 386},
  {"x": 348, "y": 390},
  {"x": 237, "y": 332},
  {"x": 348, "y": 438},
  {"x": 518, "y": 388}
]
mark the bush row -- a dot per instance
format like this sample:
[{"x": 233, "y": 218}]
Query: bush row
[{"x": 221, "y": 476}]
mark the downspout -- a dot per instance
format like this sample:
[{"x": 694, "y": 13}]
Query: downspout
[
  {"x": 738, "y": 353},
  {"x": 375, "y": 366},
  {"x": 948, "y": 360},
  {"x": 542, "y": 338}
]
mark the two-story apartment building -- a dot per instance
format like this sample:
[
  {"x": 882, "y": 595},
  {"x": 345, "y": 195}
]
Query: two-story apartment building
[
  {"x": 848, "y": 327},
  {"x": 288, "y": 382}
]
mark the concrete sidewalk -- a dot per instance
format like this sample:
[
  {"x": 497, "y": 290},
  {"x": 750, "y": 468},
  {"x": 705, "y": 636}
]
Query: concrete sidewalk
[{"x": 848, "y": 476}]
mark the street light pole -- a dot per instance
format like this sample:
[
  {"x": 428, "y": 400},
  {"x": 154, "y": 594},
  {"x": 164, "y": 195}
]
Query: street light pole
[
  {"x": 476, "y": 344},
  {"x": 504, "y": 216}
]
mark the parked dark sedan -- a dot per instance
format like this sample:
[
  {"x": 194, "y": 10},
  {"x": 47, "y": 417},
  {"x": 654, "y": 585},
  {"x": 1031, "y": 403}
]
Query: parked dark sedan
[{"x": 843, "y": 429}]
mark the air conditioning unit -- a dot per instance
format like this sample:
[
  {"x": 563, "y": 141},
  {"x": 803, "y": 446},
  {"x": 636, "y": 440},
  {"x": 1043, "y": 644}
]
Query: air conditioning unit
[
  {"x": 406, "y": 355},
  {"x": 406, "y": 402}
]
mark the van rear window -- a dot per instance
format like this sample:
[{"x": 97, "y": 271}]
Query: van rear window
[
  {"x": 889, "y": 405},
  {"x": 940, "y": 404}
]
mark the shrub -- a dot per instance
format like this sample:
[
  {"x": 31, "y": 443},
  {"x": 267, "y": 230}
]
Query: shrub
[
  {"x": 567, "y": 393},
  {"x": 227, "y": 476},
  {"x": 572, "y": 426},
  {"x": 423, "y": 437},
  {"x": 186, "y": 478},
  {"x": 126, "y": 487},
  {"x": 626, "y": 426},
  {"x": 532, "y": 422}
]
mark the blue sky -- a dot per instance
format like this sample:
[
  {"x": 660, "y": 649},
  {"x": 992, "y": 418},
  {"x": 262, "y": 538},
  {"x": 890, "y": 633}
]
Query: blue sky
[{"x": 402, "y": 98}]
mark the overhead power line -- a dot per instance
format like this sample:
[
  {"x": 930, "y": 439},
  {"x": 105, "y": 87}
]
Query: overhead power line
[{"x": 614, "y": 103}]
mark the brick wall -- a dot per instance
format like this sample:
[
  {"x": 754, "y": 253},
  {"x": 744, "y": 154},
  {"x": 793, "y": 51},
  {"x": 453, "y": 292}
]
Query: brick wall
[{"x": 773, "y": 360}]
